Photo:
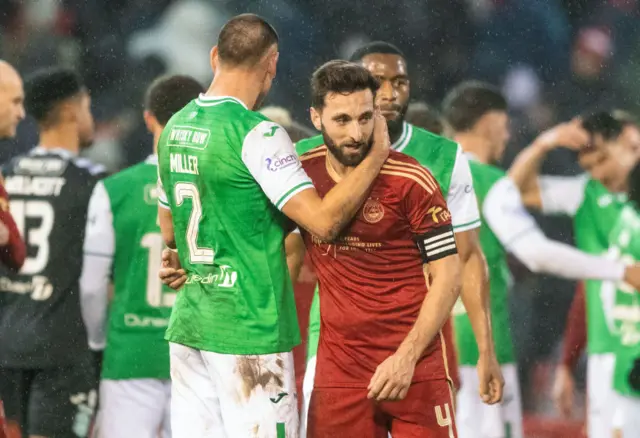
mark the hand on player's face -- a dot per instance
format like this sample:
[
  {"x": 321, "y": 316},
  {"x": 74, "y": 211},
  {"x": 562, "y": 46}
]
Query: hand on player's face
[
  {"x": 171, "y": 272},
  {"x": 632, "y": 276},
  {"x": 347, "y": 124},
  {"x": 381, "y": 142},
  {"x": 392, "y": 379},
  {"x": 570, "y": 135},
  {"x": 610, "y": 162},
  {"x": 491, "y": 380}
]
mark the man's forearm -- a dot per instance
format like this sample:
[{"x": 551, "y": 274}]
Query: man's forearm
[
  {"x": 165, "y": 220},
  {"x": 94, "y": 297},
  {"x": 342, "y": 202},
  {"x": 436, "y": 308},
  {"x": 575, "y": 332},
  {"x": 475, "y": 297},
  {"x": 295, "y": 250},
  {"x": 526, "y": 168}
]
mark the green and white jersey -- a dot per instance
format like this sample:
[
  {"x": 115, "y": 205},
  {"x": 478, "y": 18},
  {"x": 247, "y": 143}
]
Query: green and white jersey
[
  {"x": 225, "y": 173},
  {"x": 448, "y": 164},
  {"x": 484, "y": 178},
  {"x": 123, "y": 244},
  {"x": 622, "y": 302},
  {"x": 594, "y": 210}
]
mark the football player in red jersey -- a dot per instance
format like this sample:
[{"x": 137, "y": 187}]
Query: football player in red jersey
[{"x": 381, "y": 360}]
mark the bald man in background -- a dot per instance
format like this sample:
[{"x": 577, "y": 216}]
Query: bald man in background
[{"x": 12, "y": 248}]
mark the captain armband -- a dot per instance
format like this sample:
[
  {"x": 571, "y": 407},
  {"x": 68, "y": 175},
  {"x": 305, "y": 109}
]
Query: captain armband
[{"x": 437, "y": 244}]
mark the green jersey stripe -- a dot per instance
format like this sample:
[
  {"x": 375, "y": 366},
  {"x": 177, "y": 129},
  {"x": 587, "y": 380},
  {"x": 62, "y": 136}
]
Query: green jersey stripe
[
  {"x": 291, "y": 193},
  {"x": 467, "y": 226}
]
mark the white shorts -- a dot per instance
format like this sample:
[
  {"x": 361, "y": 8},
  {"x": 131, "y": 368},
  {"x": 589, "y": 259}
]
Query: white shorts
[
  {"x": 307, "y": 389},
  {"x": 232, "y": 396},
  {"x": 601, "y": 397},
  {"x": 626, "y": 418},
  {"x": 476, "y": 419},
  {"x": 134, "y": 407}
]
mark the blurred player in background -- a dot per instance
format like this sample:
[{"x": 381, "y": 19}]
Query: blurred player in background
[
  {"x": 282, "y": 117},
  {"x": 477, "y": 113},
  {"x": 47, "y": 377},
  {"x": 426, "y": 117},
  {"x": 449, "y": 166},
  {"x": 230, "y": 179},
  {"x": 623, "y": 320},
  {"x": 594, "y": 200},
  {"x": 380, "y": 328},
  {"x": 12, "y": 248},
  {"x": 123, "y": 243}
]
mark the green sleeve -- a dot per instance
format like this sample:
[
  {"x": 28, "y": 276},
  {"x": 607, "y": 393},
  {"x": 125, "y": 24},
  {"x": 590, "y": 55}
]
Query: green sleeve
[{"x": 314, "y": 326}]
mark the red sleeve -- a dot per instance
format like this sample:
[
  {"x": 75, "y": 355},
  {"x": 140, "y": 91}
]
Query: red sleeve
[
  {"x": 429, "y": 217},
  {"x": 426, "y": 207},
  {"x": 12, "y": 254},
  {"x": 575, "y": 332}
]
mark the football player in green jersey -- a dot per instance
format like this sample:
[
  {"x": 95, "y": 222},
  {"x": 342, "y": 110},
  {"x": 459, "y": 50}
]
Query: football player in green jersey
[
  {"x": 623, "y": 317},
  {"x": 477, "y": 114},
  {"x": 230, "y": 186},
  {"x": 123, "y": 244},
  {"x": 594, "y": 200}
]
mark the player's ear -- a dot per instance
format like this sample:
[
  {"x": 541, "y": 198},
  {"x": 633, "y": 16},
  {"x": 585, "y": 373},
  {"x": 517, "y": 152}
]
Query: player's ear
[
  {"x": 213, "y": 55},
  {"x": 68, "y": 111},
  {"x": 316, "y": 119},
  {"x": 150, "y": 121},
  {"x": 273, "y": 63}
]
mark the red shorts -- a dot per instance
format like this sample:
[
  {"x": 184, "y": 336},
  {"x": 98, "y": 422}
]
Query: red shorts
[{"x": 427, "y": 411}]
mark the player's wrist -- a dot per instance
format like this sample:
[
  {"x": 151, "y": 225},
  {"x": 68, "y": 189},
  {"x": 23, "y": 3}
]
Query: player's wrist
[
  {"x": 545, "y": 143},
  {"x": 409, "y": 353}
]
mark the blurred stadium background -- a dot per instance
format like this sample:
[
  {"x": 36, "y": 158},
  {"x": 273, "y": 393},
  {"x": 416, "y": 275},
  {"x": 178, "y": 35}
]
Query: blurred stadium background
[{"x": 552, "y": 58}]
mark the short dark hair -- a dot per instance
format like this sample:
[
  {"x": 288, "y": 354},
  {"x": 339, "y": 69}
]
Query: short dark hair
[
  {"x": 606, "y": 124},
  {"x": 169, "y": 94},
  {"x": 375, "y": 47},
  {"x": 463, "y": 106},
  {"x": 45, "y": 89},
  {"x": 245, "y": 39},
  {"x": 425, "y": 116},
  {"x": 342, "y": 77}
]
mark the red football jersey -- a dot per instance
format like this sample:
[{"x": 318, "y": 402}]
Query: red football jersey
[
  {"x": 12, "y": 254},
  {"x": 371, "y": 279}
]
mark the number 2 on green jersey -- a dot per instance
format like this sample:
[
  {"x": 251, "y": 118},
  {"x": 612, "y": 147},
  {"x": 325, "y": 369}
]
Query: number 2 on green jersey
[{"x": 185, "y": 190}]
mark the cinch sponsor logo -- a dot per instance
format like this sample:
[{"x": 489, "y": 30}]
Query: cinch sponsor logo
[{"x": 276, "y": 163}]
